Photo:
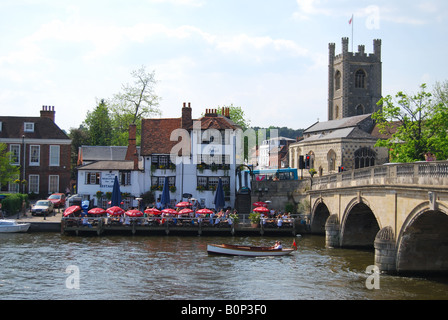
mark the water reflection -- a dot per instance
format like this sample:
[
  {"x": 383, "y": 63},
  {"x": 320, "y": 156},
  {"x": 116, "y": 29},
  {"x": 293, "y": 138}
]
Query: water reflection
[{"x": 170, "y": 267}]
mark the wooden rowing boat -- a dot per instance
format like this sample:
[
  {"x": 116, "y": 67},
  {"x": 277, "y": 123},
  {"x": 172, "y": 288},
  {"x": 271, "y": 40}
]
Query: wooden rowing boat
[{"x": 237, "y": 250}]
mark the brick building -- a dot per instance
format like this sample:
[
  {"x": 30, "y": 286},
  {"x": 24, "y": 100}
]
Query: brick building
[{"x": 41, "y": 149}]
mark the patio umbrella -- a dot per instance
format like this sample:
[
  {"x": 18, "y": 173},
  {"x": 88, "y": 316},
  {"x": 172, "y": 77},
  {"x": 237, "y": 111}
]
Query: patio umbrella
[
  {"x": 165, "y": 201},
  {"x": 183, "y": 204},
  {"x": 115, "y": 211},
  {"x": 169, "y": 211},
  {"x": 185, "y": 211},
  {"x": 134, "y": 213},
  {"x": 96, "y": 211},
  {"x": 204, "y": 211},
  {"x": 116, "y": 194},
  {"x": 219, "y": 196},
  {"x": 261, "y": 209},
  {"x": 152, "y": 211},
  {"x": 71, "y": 210}
]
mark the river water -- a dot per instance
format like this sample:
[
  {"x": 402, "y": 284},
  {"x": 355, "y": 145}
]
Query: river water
[{"x": 54, "y": 266}]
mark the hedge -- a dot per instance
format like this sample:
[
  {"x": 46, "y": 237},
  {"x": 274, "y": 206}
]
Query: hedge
[{"x": 13, "y": 203}]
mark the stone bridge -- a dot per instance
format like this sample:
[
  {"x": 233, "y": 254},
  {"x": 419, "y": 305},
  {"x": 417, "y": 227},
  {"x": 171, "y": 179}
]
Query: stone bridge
[{"x": 400, "y": 210}]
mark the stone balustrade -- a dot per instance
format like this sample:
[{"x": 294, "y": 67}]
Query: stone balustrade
[{"x": 433, "y": 174}]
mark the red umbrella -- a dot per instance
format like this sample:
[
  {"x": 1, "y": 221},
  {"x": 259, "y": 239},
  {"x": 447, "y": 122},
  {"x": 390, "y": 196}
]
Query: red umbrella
[
  {"x": 185, "y": 211},
  {"x": 152, "y": 211},
  {"x": 204, "y": 211},
  {"x": 170, "y": 211},
  {"x": 96, "y": 211},
  {"x": 261, "y": 209},
  {"x": 115, "y": 211},
  {"x": 71, "y": 210},
  {"x": 183, "y": 204},
  {"x": 134, "y": 213},
  {"x": 260, "y": 204}
]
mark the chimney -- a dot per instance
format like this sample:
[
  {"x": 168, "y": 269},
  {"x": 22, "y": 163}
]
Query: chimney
[
  {"x": 131, "y": 153},
  {"x": 48, "y": 112},
  {"x": 186, "y": 121}
]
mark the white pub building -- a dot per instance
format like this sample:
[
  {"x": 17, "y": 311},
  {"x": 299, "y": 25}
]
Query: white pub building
[{"x": 193, "y": 154}]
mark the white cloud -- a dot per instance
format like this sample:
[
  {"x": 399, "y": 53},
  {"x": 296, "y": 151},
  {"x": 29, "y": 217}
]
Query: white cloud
[{"x": 194, "y": 3}]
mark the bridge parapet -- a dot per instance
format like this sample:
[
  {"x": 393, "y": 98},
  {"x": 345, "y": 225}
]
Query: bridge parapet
[{"x": 431, "y": 174}]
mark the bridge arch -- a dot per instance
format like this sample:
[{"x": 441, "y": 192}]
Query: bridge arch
[
  {"x": 359, "y": 225},
  {"x": 319, "y": 216},
  {"x": 423, "y": 240}
]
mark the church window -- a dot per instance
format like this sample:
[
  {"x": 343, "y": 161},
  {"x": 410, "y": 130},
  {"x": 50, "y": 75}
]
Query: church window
[
  {"x": 331, "y": 158},
  {"x": 360, "y": 79},
  {"x": 364, "y": 157},
  {"x": 337, "y": 80},
  {"x": 359, "y": 110}
]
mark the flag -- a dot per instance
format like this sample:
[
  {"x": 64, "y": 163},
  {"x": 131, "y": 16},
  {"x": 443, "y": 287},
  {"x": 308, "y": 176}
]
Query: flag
[
  {"x": 294, "y": 245},
  {"x": 351, "y": 20}
]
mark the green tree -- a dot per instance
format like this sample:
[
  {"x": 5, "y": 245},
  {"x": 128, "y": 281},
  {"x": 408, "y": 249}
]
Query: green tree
[
  {"x": 99, "y": 125},
  {"x": 414, "y": 124},
  {"x": 79, "y": 138},
  {"x": 135, "y": 102},
  {"x": 438, "y": 124},
  {"x": 236, "y": 115},
  {"x": 8, "y": 172}
]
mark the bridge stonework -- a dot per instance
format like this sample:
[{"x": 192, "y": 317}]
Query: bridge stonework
[{"x": 400, "y": 210}]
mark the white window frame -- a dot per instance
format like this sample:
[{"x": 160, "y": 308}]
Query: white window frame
[
  {"x": 33, "y": 184},
  {"x": 53, "y": 186},
  {"x": 54, "y": 157},
  {"x": 28, "y": 126},
  {"x": 19, "y": 149},
  {"x": 31, "y": 163}
]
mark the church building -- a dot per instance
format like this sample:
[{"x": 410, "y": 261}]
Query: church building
[{"x": 346, "y": 141}]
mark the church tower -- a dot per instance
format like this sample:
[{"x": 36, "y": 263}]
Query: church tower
[{"x": 354, "y": 81}]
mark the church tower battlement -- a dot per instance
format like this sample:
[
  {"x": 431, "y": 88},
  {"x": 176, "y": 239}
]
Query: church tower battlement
[{"x": 354, "y": 80}]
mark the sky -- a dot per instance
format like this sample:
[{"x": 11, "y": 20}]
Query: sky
[{"x": 270, "y": 57}]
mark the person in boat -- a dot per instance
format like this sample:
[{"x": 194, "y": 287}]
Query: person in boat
[{"x": 278, "y": 245}]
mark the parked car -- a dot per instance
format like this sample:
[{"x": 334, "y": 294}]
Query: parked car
[
  {"x": 58, "y": 200},
  {"x": 42, "y": 207}
]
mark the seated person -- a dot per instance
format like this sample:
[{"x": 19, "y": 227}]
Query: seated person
[{"x": 278, "y": 245}]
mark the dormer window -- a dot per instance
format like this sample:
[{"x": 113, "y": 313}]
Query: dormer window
[{"x": 28, "y": 127}]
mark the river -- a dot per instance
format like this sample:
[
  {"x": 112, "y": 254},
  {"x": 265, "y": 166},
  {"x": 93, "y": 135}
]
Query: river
[{"x": 62, "y": 267}]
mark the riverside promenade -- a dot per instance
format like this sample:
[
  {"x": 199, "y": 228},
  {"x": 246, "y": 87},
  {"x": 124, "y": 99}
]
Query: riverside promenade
[{"x": 57, "y": 223}]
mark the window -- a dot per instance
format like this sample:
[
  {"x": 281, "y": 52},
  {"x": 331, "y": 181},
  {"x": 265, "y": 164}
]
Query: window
[
  {"x": 364, "y": 157},
  {"x": 33, "y": 183},
  {"x": 53, "y": 184},
  {"x": 93, "y": 177},
  {"x": 15, "y": 154},
  {"x": 28, "y": 127},
  {"x": 359, "y": 110},
  {"x": 124, "y": 178},
  {"x": 210, "y": 183},
  {"x": 360, "y": 78},
  {"x": 158, "y": 182},
  {"x": 34, "y": 155},
  {"x": 331, "y": 157},
  {"x": 161, "y": 162},
  {"x": 54, "y": 155},
  {"x": 14, "y": 187},
  {"x": 311, "y": 153},
  {"x": 337, "y": 80}
]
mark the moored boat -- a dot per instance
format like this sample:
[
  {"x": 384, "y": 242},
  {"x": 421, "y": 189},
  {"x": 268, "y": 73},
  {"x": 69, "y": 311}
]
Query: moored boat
[
  {"x": 239, "y": 250},
  {"x": 10, "y": 226}
]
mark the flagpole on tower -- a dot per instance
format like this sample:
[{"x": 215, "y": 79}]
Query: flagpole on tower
[{"x": 352, "y": 22}]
